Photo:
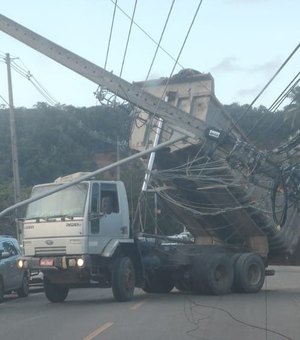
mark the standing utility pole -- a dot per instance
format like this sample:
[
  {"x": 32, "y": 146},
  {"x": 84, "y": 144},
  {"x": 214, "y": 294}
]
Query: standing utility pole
[{"x": 14, "y": 151}]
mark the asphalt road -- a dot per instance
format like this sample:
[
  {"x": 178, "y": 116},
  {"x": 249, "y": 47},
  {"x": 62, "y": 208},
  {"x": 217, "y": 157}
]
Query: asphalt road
[{"x": 272, "y": 314}]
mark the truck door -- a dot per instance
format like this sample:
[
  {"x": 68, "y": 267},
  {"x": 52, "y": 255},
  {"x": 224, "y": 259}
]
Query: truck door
[{"x": 105, "y": 216}]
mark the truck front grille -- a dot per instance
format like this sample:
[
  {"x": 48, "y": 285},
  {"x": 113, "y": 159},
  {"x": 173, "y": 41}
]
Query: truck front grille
[{"x": 58, "y": 250}]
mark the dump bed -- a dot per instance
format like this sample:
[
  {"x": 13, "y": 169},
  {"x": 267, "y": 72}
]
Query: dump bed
[{"x": 223, "y": 189}]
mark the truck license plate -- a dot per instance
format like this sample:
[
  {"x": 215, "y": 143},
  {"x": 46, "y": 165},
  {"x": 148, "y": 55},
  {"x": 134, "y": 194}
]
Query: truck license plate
[{"x": 46, "y": 262}]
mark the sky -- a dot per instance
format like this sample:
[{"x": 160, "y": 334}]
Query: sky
[{"x": 242, "y": 43}]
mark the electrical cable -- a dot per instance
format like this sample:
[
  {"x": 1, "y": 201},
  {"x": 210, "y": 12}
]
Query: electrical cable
[
  {"x": 284, "y": 94},
  {"x": 288, "y": 94},
  {"x": 99, "y": 91},
  {"x": 26, "y": 74},
  {"x": 264, "y": 88},
  {"x": 110, "y": 34},
  {"x": 147, "y": 34},
  {"x": 128, "y": 37},
  {"x": 4, "y": 100},
  {"x": 29, "y": 76},
  {"x": 160, "y": 39},
  {"x": 179, "y": 54},
  {"x": 154, "y": 57}
]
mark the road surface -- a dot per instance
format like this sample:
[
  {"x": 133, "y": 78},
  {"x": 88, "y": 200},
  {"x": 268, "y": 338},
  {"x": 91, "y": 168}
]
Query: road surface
[{"x": 87, "y": 314}]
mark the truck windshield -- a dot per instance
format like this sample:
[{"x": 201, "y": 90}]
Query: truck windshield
[{"x": 69, "y": 202}]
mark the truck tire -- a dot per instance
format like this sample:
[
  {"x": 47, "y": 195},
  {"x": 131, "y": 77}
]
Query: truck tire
[
  {"x": 1, "y": 291},
  {"x": 159, "y": 283},
  {"x": 249, "y": 273},
  {"x": 23, "y": 291},
  {"x": 55, "y": 292},
  {"x": 212, "y": 273},
  {"x": 123, "y": 279}
]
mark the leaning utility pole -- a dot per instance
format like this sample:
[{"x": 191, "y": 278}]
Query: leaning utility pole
[{"x": 14, "y": 151}]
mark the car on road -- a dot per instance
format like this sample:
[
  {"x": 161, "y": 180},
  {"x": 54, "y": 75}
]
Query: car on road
[{"x": 12, "y": 279}]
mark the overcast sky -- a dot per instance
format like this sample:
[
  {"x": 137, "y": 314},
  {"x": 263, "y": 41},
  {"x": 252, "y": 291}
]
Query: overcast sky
[{"x": 241, "y": 43}]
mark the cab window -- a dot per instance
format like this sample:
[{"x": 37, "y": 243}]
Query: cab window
[{"x": 109, "y": 198}]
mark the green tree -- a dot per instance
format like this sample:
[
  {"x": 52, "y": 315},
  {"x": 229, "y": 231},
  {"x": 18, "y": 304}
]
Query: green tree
[{"x": 292, "y": 111}]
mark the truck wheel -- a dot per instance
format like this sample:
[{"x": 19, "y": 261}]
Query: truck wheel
[
  {"x": 23, "y": 291},
  {"x": 249, "y": 273},
  {"x": 160, "y": 283},
  {"x": 55, "y": 292},
  {"x": 123, "y": 279},
  {"x": 212, "y": 273},
  {"x": 1, "y": 291}
]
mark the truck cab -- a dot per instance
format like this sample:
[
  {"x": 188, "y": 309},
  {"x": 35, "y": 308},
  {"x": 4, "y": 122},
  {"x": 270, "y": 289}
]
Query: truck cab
[
  {"x": 81, "y": 219},
  {"x": 75, "y": 235}
]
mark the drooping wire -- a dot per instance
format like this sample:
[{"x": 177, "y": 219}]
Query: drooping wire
[
  {"x": 36, "y": 84},
  {"x": 24, "y": 72}
]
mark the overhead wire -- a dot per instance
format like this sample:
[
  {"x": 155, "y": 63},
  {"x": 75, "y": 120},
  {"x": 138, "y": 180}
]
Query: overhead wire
[
  {"x": 110, "y": 34},
  {"x": 5, "y": 101},
  {"x": 179, "y": 54},
  {"x": 24, "y": 72},
  {"x": 263, "y": 89},
  {"x": 128, "y": 37},
  {"x": 37, "y": 84},
  {"x": 151, "y": 65},
  {"x": 289, "y": 92},
  {"x": 147, "y": 34},
  {"x": 160, "y": 39},
  {"x": 275, "y": 105},
  {"x": 100, "y": 93}
]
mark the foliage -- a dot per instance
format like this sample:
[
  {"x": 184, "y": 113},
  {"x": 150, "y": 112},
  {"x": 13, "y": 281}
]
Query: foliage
[{"x": 263, "y": 128}]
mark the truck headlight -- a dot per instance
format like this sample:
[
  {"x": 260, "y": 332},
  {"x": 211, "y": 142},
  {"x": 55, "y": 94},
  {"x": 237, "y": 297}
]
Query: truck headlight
[
  {"x": 21, "y": 264},
  {"x": 80, "y": 262}
]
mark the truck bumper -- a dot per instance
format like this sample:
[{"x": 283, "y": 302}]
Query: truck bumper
[
  {"x": 55, "y": 262},
  {"x": 71, "y": 270}
]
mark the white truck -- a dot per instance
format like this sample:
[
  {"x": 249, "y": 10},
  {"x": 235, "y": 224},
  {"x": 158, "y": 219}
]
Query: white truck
[
  {"x": 239, "y": 203},
  {"x": 81, "y": 237}
]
